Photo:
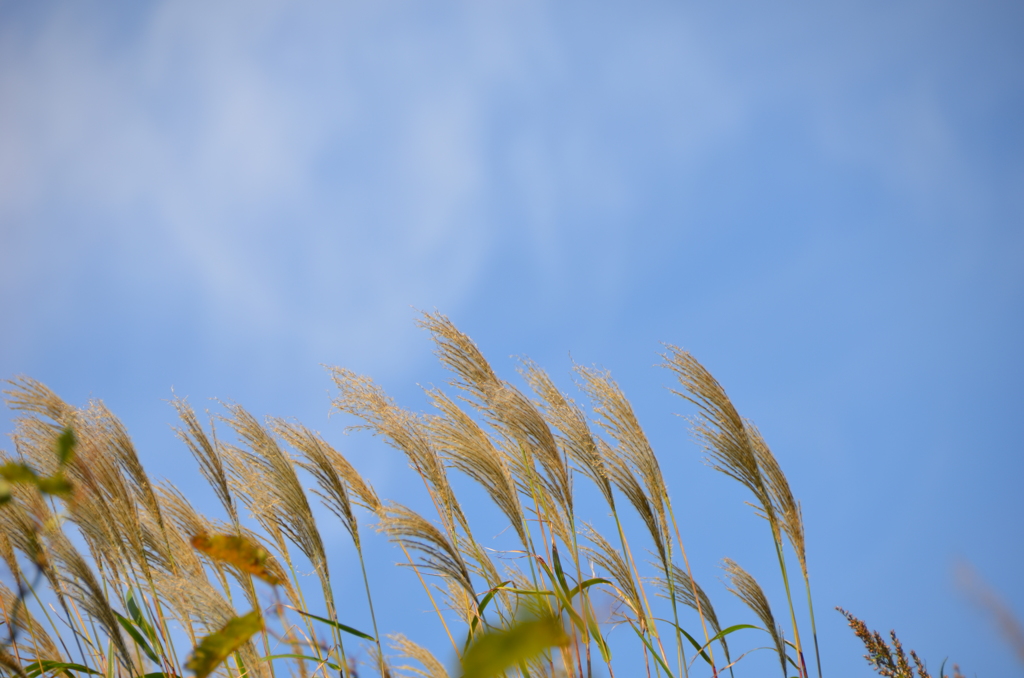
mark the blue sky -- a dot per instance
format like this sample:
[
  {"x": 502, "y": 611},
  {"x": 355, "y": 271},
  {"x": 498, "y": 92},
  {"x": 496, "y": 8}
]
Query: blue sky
[{"x": 825, "y": 204}]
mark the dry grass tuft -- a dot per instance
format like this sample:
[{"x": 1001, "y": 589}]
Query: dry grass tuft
[{"x": 576, "y": 437}]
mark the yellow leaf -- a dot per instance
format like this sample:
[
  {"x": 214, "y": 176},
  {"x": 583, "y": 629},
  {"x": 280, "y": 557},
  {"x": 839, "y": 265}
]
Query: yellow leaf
[
  {"x": 215, "y": 648},
  {"x": 243, "y": 553}
]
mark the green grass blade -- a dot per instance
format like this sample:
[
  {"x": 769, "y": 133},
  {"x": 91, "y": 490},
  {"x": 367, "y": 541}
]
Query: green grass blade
[
  {"x": 41, "y": 667},
  {"x": 654, "y": 653},
  {"x": 586, "y": 585},
  {"x": 338, "y": 625},
  {"x": 140, "y": 620},
  {"x": 595, "y": 633},
  {"x": 330, "y": 665},
  {"x": 484, "y": 602},
  {"x": 695, "y": 644},
  {"x": 129, "y": 626},
  {"x": 732, "y": 629},
  {"x": 558, "y": 568}
]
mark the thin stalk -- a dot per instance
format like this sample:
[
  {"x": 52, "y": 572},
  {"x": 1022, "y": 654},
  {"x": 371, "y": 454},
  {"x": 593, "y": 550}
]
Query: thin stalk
[
  {"x": 814, "y": 629},
  {"x": 693, "y": 585},
  {"x": 536, "y": 510},
  {"x": 433, "y": 602},
  {"x": 789, "y": 599},
  {"x": 584, "y": 596},
  {"x": 168, "y": 656},
  {"x": 309, "y": 624},
  {"x": 528, "y": 463},
  {"x": 373, "y": 617},
  {"x": 649, "y": 623},
  {"x": 680, "y": 652},
  {"x": 49, "y": 619}
]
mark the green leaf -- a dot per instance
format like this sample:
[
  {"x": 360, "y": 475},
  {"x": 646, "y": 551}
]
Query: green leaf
[
  {"x": 732, "y": 629},
  {"x": 528, "y": 592},
  {"x": 330, "y": 665},
  {"x": 57, "y": 484},
  {"x": 586, "y": 584},
  {"x": 66, "y": 446},
  {"x": 16, "y": 472},
  {"x": 245, "y": 554},
  {"x": 494, "y": 652},
  {"x": 337, "y": 625},
  {"x": 215, "y": 648},
  {"x": 558, "y": 568},
  {"x": 140, "y": 619},
  {"x": 129, "y": 626},
  {"x": 160, "y": 674},
  {"x": 695, "y": 644},
  {"x": 480, "y": 610},
  {"x": 39, "y": 668},
  {"x": 563, "y": 599},
  {"x": 595, "y": 633},
  {"x": 489, "y": 596}
]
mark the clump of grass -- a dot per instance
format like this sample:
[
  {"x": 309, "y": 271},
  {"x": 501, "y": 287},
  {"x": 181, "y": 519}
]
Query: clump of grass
[{"x": 130, "y": 592}]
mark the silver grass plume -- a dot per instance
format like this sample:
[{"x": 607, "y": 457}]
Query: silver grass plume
[
  {"x": 511, "y": 412},
  {"x": 404, "y": 431},
  {"x": 787, "y": 509},
  {"x": 620, "y": 473},
  {"x": 188, "y": 522},
  {"x": 469, "y": 449},
  {"x": 320, "y": 459},
  {"x": 408, "y": 528},
  {"x": 432, "y": 668},
  {"x": 16, "y": 614},
  {"x": 746, "y": 588},
  {"x": 610, "y": 559},
  {"x": 683, "y": 588},
  {"x": 288, "y": 509},
  {"x": 105, "y": 507},
  {"x": 633, "y": 451},
  {"x": 576, "y": 438},
  {"x": 720, "y": 429},
  {"x": 207, "y": 454}
]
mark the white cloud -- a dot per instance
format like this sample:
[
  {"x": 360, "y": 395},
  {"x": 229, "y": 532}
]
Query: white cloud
[{"x": 197, "y": 131}]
